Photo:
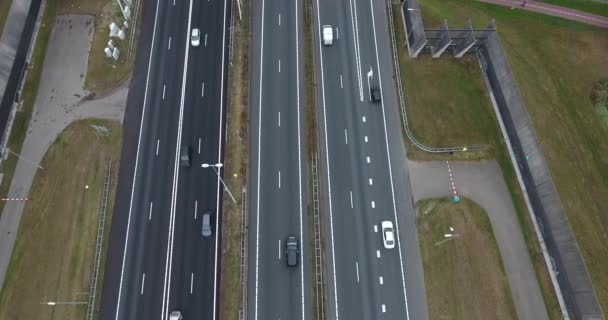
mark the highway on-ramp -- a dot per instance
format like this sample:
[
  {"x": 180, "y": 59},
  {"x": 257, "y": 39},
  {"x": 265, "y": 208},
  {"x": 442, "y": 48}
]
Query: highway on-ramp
[
  {"x": 158, "y": 260},
  {"x": 365, "y": 170},
  {"x": 277, "y": 197}
]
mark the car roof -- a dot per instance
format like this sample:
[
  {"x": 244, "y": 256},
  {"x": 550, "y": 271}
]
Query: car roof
[{"x": 387, "y": 224}]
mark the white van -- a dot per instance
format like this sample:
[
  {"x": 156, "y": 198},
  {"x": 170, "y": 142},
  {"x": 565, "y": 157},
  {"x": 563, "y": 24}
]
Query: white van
[{"x": 328, "y": 35}]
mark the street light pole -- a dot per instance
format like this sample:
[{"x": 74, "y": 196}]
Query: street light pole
[{"x": 219, "y": 165}]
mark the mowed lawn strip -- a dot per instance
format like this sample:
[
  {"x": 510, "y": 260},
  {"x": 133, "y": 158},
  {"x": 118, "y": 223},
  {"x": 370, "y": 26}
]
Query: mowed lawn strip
[
  {"x": 235, "y": 163},
  {"x": 54, "y": 251},
  {"x": 464, "y": 276},
  {"x": 591, "y": 6},
  {"x": 556, "y": 66},
  {"x": 451, "y": 95},
  {"x": 5, "y": 6}
]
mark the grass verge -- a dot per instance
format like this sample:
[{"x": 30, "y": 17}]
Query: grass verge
[
  {"x": 318, "y": 311},
  {"x": 556, "y": 86},
  {"x": 5, "y": 7},
  {"x": 464, "y": 277},
  {"x": 591, "y": 6},
  {"x": 462, "y": 114},
  {"x": 236, "y": 163},
  {"x": 54, "y": 251}
]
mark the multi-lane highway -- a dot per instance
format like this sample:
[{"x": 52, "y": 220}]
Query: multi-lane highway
[
  {"x": 366, "y": 176},
  {"x": 277, "y": 175},
  {"x": 158, "y": 260}
]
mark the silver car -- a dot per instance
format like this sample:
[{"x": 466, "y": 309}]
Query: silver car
[{"x": 206, "y": 224}]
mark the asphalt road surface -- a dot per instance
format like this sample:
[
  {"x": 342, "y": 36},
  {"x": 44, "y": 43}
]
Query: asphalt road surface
[
  {"x": 277, "y": 183},
  {"x": 158, "y": 260},
  {"x": 366, "y": 176}
]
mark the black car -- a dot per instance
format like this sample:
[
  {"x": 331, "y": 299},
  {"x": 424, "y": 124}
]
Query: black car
[
  {"x": 375, "y": 94},
  {"x": 292, "y": 251}
]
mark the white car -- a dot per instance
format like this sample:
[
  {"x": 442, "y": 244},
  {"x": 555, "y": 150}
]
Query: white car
[
  {"x": 388, "y": 235},
  {"x": 195, "y": 37},
  {"x": 176, "y": 315},
  {"x": 328, "y": 35}
]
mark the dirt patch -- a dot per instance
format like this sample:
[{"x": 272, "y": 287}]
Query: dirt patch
[{"x": 464, "y": 276}]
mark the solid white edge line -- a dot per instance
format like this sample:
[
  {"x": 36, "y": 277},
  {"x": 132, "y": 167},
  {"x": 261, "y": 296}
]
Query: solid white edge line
[
  {"x": 355, "y": 27},
  {"x": 257, "y": 227},
  {"x": 302, "y": 255},
  {"x": 170, "y": 235},
  {"x": 331, "y": 220},
  {"x": 219, "y": 157},
  {"x": 141, "y": 126},
  {"x": 390, "y": 169}
]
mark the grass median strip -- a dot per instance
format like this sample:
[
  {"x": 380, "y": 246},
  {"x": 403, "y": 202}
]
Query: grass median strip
[
  {"x": 463, "y": 272},
  {"x": 54, "y": 251},
  {"x": 236, "y": 163}
]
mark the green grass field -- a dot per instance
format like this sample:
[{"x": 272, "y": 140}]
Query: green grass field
[
  {"x": 556, "y": 64},
  {"x": 5, "y": 6},
  {"x": 591, "y": 6},
  {"x": 464, "y": 276},
  {"x": 53, "y": 255}
]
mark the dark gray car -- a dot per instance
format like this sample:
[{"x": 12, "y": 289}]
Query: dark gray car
[
  {"x": 375, "y": 94},
  {"x": 184, "y": 156},
  {"x": 206, "y": 231},
  {"x": 292, "y": 251}
]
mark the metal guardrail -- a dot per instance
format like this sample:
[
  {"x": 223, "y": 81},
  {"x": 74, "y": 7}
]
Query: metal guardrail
[
  {"x": 135, "y": 19},
  {"x": 243, "y": 264},
  {"x": 319, "y": 293},
  {"x": 99, "y": 243},
  {"x": 406, "y": 126}
]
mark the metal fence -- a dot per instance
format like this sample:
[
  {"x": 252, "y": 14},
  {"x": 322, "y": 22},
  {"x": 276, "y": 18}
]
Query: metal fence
[
  {"x": 99, "y": 243},
  {"x": 319, "y": 288}
]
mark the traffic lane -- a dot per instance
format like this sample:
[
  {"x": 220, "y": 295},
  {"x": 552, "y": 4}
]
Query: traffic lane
[
  {"x": 280, "y": 172},
  {"x": 279, "y": 218},
  {"x": 156, "y": 146},
  {"x": 364, "y": 113},
  {"x": 356, "y": 211},
  {"x": 279, "y": 201},
  {"x": 192, "y": 285},
  {"x": 256, "y": 81},
  {"x": 198, "y": 188},
  {"x": 405, "y": 216}
]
